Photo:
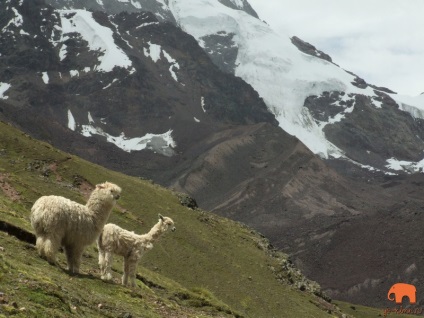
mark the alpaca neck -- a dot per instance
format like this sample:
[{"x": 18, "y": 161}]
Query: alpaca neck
[
  {"x": 154, "y": 233},
  {"x": 100, "y": 210}
]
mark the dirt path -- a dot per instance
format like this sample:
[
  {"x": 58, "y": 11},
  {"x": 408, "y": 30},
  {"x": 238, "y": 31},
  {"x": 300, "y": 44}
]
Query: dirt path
[{"x": 8, "y": 189}]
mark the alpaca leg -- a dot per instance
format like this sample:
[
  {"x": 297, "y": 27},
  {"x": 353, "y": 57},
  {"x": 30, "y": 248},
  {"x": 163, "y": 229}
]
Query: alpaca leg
[
  {"x": 126, "y": 271},
  {"x": 132, "y": 269},
  {"x": 73, "y": 256},
  {"x": 107, "y": 266},
  {"x": 49, "y": 248},
  {"x": 69, "y": 257},
  {"x": 40, "y": 246},
  {"x": 101, "y": 262},
  {"x": 76, "y": 260}
]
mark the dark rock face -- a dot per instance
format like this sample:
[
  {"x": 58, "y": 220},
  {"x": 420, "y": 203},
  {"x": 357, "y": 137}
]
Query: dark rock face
[
  {"x": 328, "y": 105},
  {"x": 308, "y": 48},
  {"x": 369, "y": 130},
  {"x": 360, "y": 83},
  {"x": 370, "y": 135},
  {"x": 222, "y": 50}
]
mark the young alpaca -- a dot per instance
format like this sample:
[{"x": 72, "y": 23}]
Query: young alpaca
[
  {"x": 58, "y": 221},
  {"x": 115, "y": 240}
]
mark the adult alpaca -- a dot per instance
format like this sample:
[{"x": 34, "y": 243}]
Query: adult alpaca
[
  {"x": 116, "y": 240},
  {"x": 58, "y": 221}
]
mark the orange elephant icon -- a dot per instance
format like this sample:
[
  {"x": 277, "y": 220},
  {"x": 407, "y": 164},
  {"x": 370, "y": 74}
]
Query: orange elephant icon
[{"x": 401, "y": 290}]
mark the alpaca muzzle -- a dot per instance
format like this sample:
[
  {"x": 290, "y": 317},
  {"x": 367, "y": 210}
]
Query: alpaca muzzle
[
  {"x": 173, "y": 229},
  {"x": 117, "y": 197}
]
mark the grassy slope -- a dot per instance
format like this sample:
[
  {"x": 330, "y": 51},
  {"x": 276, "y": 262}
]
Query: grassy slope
[{"x": 210, "y": 266}]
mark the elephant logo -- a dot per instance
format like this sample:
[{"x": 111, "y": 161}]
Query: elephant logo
[{"x": 401, "y": 290}]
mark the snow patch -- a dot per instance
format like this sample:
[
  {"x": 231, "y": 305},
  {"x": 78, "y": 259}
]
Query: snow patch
[
  {"x": 202, "y": 103},
  {"x": 338, "y": 117},
  {"x": 90, "y": 118},
  {"x": 17, "y": 21},
  {"x": 173, "y": 63},
  {"x": 406, "y": 166},
  {"x": 411, "y": 104},
  {"x": 110, "y": 84},
  {"x": 377, "y": 104},
  {"x": 117, "y": 31},
  {"x": 162, "y": 3},
  {"x": 136, "y": 4},
  {"x": 71, "y": 121},
  {"x": 99, "y": 39},
  {"x": 160, "y": 143},
  {"x": 45, "y": 77},
  {"x": 154, "y": 52},
  {"x": 146, "y": 24},
  {"x": 3, "y": 88},
  {"x": 63, "y": 52},
  {"x": 52, "y": 36}
]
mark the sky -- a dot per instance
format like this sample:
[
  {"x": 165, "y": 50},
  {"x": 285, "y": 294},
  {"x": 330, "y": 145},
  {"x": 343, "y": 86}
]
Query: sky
[{"x": 381, "y": 41}]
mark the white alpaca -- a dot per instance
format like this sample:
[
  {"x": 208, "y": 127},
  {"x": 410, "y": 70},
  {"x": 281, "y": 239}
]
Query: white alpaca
[
  {"x": 116, "y": 240},
  {"x": 58, "y": 221}
]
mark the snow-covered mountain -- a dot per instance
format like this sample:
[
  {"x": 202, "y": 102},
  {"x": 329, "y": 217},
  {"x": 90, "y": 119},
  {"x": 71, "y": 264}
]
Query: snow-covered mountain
[
  {"x": 285, "y": 76},
  {"x": 93, "y": 54}
]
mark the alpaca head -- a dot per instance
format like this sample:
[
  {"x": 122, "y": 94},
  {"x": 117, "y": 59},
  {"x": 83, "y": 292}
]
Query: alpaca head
[
  {"x": 166, "y": 224},
  {"x": 108, "y": 191}
]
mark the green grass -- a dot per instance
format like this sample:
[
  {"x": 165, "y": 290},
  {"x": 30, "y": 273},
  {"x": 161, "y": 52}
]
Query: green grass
[{"x": 209, "y": 267}]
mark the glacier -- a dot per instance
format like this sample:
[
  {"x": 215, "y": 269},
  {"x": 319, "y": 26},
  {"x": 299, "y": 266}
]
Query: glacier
[{"x": 282, "y": 75}]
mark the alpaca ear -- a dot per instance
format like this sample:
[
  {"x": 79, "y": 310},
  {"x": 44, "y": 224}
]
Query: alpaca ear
[
  {"x": 100, "y": 186},
  {"x": 160, "y": 216}
]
